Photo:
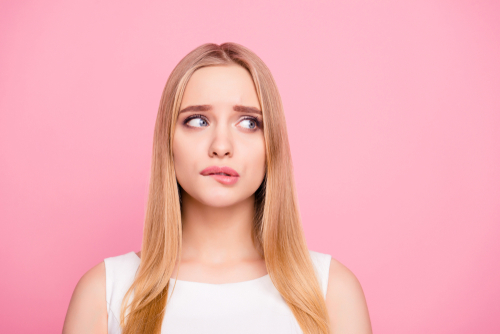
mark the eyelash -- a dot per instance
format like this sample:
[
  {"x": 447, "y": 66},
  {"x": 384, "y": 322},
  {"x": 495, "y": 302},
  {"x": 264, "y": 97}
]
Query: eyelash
[{"x": 253, "y": 119}]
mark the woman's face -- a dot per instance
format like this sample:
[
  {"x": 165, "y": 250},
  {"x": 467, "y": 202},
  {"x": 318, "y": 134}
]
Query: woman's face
[{"x": 219, "y": 124}]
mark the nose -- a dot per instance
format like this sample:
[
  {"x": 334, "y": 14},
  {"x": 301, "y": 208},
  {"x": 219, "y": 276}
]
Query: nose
[{"x": 222, "y": 142}]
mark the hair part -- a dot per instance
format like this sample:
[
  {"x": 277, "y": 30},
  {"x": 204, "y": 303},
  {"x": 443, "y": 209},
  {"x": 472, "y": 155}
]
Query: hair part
[{"x": 277, "y": 232}]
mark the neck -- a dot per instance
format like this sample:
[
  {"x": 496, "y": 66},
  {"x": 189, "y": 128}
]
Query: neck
[{"x": 216, "y": 235}]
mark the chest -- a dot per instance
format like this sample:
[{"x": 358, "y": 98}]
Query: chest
[{"x": 252, "y": 307}]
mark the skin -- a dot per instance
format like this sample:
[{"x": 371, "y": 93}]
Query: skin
[{"x": 217, "y": 218}]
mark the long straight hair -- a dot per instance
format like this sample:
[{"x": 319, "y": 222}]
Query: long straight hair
[{"x": 277, "y": 231}]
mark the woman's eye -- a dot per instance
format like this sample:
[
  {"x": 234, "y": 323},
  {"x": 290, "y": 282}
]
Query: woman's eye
[
  {"x": 196, "y": 122},
  {"x": 249, "y": 123}
]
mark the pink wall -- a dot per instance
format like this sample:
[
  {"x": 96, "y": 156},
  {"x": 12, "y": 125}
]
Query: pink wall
[{"x": 393, "y": 111}]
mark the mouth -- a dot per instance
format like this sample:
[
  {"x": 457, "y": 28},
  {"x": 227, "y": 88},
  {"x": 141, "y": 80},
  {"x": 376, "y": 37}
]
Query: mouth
[
  {"x": 216, "y": 170},
  {"x": 224, "y": 175}
]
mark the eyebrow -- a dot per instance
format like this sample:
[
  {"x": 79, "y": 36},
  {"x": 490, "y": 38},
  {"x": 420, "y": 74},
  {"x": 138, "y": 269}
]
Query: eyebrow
[{"x": 207, "y": 107}]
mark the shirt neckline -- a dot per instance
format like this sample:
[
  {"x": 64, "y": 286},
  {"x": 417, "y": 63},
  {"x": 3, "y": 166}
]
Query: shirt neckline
[{"x": 177, "y": 281}]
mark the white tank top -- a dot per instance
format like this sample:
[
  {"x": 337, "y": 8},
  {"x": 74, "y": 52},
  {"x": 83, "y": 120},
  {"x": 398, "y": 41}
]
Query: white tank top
[{"x": 253, "y": 306}]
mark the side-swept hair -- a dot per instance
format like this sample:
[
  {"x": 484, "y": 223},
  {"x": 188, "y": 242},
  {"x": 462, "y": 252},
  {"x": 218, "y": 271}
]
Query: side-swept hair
[{"x": 277, "y": 232}]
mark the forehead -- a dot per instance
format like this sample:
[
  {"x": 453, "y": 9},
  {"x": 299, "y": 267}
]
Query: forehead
[{"x": 220, "y": 85}]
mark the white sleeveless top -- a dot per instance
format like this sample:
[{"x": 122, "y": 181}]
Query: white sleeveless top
[{"x": 253, "y": 306}]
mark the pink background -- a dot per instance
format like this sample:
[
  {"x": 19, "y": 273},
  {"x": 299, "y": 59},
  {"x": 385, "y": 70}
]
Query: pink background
[{"x": 393, "y": 112}]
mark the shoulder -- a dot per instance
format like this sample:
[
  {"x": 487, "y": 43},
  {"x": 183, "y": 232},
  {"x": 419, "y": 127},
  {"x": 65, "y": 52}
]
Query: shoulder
[
  {"x": 345, "y": 301},
  {"x": 87, "y": 311}
]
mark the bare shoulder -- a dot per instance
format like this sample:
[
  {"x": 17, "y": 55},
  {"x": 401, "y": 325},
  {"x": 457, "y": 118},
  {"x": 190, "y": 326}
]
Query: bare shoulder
[
  {"x": 87, "y": 311},
  {"x": 345, "y": 301}
]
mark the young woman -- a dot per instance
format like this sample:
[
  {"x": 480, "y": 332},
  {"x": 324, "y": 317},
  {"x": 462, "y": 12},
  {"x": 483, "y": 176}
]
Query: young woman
[{"x": 223, "y": 248}]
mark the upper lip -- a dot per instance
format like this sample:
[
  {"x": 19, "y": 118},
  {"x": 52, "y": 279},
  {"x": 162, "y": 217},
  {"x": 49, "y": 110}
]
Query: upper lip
[{"x": 216, "y": 169}]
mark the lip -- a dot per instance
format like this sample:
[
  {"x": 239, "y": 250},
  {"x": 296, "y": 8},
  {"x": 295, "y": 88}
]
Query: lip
[{"x": 212, "y": 171}]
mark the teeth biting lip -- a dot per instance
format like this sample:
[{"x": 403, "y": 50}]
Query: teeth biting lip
[{"x": 216, "y": 170}]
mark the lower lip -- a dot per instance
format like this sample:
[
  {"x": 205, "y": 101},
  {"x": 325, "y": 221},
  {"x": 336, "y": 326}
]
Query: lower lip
[{"x": 225, "y": 179}]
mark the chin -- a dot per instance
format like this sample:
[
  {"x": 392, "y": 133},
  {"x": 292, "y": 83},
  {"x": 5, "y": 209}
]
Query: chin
[
  {"x": 218, "y": 199},
  {"x": 220, "y": 204}
]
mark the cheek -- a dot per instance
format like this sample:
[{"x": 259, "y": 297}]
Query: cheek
[{"x": 257, "y": 160}]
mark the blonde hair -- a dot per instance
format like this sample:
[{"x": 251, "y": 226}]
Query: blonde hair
[{"x": 277, "y": 232}]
